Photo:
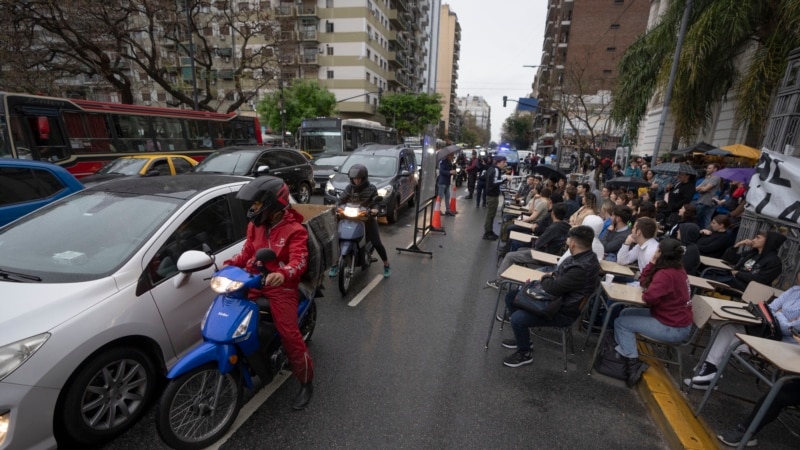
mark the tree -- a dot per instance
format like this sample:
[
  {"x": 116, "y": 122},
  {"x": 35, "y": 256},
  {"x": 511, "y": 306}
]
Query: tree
[
  {"x": 410, "y": 114},
  {"x": 471, "y": 133},
  {"x": 302, "y": 99},
  {"x": 517, "y": 130},
  {"x": 140, "y": 45},
  {"x": 719, "y": 33}
]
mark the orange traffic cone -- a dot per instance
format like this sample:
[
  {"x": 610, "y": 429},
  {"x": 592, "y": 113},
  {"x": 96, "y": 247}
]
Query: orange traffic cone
[
  {"x": 436, "y": 220},
  {"x": 453, "y": 201}
]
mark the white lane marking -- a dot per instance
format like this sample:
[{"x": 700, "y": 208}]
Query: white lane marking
[
  {"x": 361, "y": 295},
  {"x": 250, "y": 407}
]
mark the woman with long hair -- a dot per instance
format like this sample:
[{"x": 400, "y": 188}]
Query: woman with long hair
[
  {"x": 588, "y": 208},
  {"x": 666, "y": 290},
  {"x": 687, "y": 214},
  {"x": 650, "y": 177}
]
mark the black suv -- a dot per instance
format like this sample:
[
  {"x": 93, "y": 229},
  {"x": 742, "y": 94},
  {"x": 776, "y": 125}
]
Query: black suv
[
  {"x": 392, "y": 169},
  {"x": 285, "y": 163}
]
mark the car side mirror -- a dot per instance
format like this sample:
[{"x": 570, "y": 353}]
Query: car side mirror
[
  {"x": 262, "y": 170},
  {"x": 404, "y": 173}
]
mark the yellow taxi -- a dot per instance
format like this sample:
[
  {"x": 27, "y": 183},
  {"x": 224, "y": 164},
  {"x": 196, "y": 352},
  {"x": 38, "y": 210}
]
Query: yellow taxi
[{"x": 144, "y": 165}]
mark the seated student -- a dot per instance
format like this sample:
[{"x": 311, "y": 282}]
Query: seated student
[
  {"x": 573, "y": 280},
  {"x": 687, "y": 235},
  {"x": 617, "y": 232},
  {"x": 669, "y": 317},
  {"x": 596, "y": 224},
  {"x": 551, "y": 241},
  {"x": 571, "y": 200},
  {"x": 761, "y": 264},
  {"x": 715, "y": 239},
  {"x": 788, "y": 395},
  {"x": 606, "y": 208},
  {"x": 589, "y": 207},
  {"x": 538, "y": 207},
  {"x": 786, "y": 309},
  {"x": 640, "y": 246}
]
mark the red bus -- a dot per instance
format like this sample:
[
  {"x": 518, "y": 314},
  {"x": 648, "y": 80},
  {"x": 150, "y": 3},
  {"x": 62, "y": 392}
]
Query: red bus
[{"x": 82, "y": 135}]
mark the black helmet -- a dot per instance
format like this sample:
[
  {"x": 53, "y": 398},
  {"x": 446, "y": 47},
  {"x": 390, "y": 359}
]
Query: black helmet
[
  {"x": 358, "y": 171},
  {"x": 271, "y": 191}
]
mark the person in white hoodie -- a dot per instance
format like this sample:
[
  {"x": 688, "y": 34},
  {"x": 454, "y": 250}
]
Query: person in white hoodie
[{"x": 596, "y": 224}]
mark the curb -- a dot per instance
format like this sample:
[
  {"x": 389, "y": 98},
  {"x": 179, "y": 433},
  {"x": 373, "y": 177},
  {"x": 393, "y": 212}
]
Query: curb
[{"x": 671, "y": 412}]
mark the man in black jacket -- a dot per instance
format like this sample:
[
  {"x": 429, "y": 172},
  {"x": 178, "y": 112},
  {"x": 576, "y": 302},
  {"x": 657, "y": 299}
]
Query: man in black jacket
[
  {"x": 617, "y": 232},
  {"x": 494, "y": 178},
  {"x": 573, "y": 280},
  {"x": 760, "y": 264}
]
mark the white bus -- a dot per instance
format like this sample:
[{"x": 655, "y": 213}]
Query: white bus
[{"x": 335, "y": 135}]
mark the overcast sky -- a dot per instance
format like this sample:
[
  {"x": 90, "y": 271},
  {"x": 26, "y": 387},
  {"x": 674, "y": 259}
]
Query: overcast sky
[{"x": 497, "y": 38}]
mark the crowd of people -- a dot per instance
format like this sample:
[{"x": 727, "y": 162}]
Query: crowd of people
[{"x": 661, "y": 228}]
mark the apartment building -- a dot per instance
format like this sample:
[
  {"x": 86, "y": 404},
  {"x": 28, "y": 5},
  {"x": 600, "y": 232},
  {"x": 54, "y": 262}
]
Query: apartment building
[
  {"x": 447, "y": 68},
  {"x": 477, "y": 107}
]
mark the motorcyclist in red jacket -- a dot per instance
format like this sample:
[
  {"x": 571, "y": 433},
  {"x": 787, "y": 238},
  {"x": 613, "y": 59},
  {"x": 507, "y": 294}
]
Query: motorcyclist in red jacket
[{"x": 273, "y": 225}]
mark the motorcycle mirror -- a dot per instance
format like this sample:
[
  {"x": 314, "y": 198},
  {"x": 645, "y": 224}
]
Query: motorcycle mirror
[{"x": 265, "y": 254}]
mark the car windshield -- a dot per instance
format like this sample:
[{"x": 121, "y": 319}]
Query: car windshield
[
  {"x": 84, "y": 237},
  {"x": 329, "y": 160},
  {"x": 511, "y": 155},
  {"x": 232, "y": 163},
  {"x": 125, "y": 166},
  {"x": 377, "y": 166}
]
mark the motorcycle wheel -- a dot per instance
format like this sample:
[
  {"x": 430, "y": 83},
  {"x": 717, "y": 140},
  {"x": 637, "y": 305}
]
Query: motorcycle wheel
[
  {"x": 347, "y": 267},
  {"x": 186, "y": 417}
]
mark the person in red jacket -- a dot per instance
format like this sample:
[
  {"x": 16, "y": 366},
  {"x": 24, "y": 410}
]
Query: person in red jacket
[
  {"x": 273, "y": 225},
  {"x": 666, "y": 290}
]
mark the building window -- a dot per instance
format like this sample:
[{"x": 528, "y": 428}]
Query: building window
[
  {"x": 330, "y": 51},
  {"x": 369, "y": 54},
  {"x": 615, "y": 26},
  {"x": 606, "y": 71},
  {"x": 619, "y": 2},
  {"x": 329, "y": 3},
  {"x": 367, "y": 76},
  {"x": 329, "y": 27},
  {"x": 330, "y": 74},
  {"x": 611, "y": 49}
]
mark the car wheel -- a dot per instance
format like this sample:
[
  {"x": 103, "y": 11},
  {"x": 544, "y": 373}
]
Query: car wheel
[
  {"x": 107, "y": 395},
  {"x": 393, "y": 210},
  {"x": 303, "y": 193}
]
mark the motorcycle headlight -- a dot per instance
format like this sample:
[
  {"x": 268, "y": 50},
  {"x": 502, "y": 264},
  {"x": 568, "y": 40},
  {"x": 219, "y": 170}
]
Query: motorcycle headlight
[
  {"x": 242, "y": 328},
  {"x": 222, "y": 285},
  {"x": 15, "y": 354},
  {"x": 350, "y": 211},
  {"x": 384, "y": 191}
]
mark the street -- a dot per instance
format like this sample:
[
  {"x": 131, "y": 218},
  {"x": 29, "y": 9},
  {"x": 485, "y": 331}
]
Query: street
[{"x": 406, "y": 367}]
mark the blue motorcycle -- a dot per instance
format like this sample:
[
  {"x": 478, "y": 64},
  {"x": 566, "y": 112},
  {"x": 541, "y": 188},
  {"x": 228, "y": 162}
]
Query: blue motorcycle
[{"x": 240, "y": 342}]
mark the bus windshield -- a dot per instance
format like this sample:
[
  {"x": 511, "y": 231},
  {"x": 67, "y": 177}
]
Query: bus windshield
[{"x": 316, "y": 142}]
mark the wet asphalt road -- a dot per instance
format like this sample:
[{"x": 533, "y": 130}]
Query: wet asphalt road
[{"x": 407, "y": 367}]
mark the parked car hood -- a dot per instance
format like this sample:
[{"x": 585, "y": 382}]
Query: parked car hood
[{"x": 33, "y": 308}]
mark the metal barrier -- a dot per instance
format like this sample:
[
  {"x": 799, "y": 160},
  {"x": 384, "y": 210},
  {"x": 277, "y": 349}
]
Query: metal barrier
[{"x": 789, "y": 253}]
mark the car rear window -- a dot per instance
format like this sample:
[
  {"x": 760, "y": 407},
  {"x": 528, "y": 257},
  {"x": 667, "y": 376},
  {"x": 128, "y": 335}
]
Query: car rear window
[{"x": 20, "y": 185}]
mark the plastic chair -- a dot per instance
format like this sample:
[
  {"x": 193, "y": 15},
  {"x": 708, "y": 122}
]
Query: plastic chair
[{"x": 701, "y": 313}]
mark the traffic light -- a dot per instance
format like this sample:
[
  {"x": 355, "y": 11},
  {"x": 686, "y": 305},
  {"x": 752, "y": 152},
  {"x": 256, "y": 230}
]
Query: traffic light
[{"x": 505, "y": 99}]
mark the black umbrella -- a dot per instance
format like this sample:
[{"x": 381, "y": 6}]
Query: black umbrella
[
  {"x": 671, "y": 168},
  {"x": 548, "y": 171},
  {"x": 627, "y": 182},
  {"x": 443, "y": 152},
  {"x": 700, "y": 147}
]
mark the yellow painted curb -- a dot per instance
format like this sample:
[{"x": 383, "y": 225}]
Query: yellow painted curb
[{"x": 670, "y": 411}]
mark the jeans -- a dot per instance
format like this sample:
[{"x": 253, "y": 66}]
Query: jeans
[
  {"x": 444, "y": 191},
  {"x": 639, "y": 320},
  {"x": 522, "y": 321},
  {"x": 704, "y": 214}
]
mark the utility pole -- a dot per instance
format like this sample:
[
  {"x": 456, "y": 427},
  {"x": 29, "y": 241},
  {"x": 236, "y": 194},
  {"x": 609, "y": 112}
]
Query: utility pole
[
  {"x": 283, "y": 113},
  {"x": 196, "y": 103}
]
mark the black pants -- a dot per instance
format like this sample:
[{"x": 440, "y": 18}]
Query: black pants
[
  {"x": 788, "y": 395},
  {"x": 471, "y": 179},
  {"x": 374, "y": 236}
]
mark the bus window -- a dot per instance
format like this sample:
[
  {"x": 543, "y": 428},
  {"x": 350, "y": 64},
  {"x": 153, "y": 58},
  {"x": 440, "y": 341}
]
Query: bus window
[
  {"x": 5, "y": 144},
  {"x": 170, "y": 134},
  {"x": 132, "y": 132},
  {"x": 48, "y": 138},
  {"x": 88, "y": 133},
  {"x": 22, "y": 143},
  {"x": 217, "y": 135}
]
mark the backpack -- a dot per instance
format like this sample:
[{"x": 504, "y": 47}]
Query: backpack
[{"x": 609, "y": 362}]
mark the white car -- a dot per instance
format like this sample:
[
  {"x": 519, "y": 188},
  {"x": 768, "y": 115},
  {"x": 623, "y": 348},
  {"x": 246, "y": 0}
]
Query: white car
[{"x": 92, "y": 314}]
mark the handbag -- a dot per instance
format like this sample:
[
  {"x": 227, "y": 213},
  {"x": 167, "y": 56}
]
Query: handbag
[
  {"x": 769, "y": 328},
  {"x": 535, "y": 300},
  {"x": 609, "y": 362}
]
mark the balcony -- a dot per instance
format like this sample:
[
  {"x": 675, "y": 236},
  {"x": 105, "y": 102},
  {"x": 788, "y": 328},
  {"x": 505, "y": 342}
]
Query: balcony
[
  {"x": 287, "y": 36},
  {"x": 287, "y": 60},
  {"x": 309, "y": 35},
  {"x": 307, "y": 11},
  {"x": 308, "y": 60},
  {"x": 401, "y": 5},
  {"x": 284, "y": 11},
  {"x": 356, "y": 107},
  {"x": 397, "y": 20}
]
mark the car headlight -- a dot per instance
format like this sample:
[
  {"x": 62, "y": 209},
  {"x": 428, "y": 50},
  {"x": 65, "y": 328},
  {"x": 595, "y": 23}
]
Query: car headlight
[
  {"x": 4, "y": 420},
  {"x": 330, "y": 189},
  {"x": 222, "y": 285},
  {"x": 384, "y": 191},
  {"x": 242, "y": 328},
  {"x": 16, "y": 353}
]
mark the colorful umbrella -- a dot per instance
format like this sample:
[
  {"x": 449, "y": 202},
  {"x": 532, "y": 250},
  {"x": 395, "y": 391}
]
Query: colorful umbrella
[
  {"x": 743, "y": 151},
  {"x": 742, "y": 175}
]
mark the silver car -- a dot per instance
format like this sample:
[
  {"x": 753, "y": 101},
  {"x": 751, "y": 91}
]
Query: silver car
[{"x": 92, "y": 314}]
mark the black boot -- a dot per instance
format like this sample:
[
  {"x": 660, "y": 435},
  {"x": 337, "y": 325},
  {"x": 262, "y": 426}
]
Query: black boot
[
  {"x": 635, "y": 370},
  {"x": 303, "y": 396}
]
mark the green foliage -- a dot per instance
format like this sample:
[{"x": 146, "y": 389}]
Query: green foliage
[
  {"x": 719, "y": 33},
  {"x": 303, "y": 99},
  {"x": 410, "y": 114},
  {"x": 517, "y": 130}
]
